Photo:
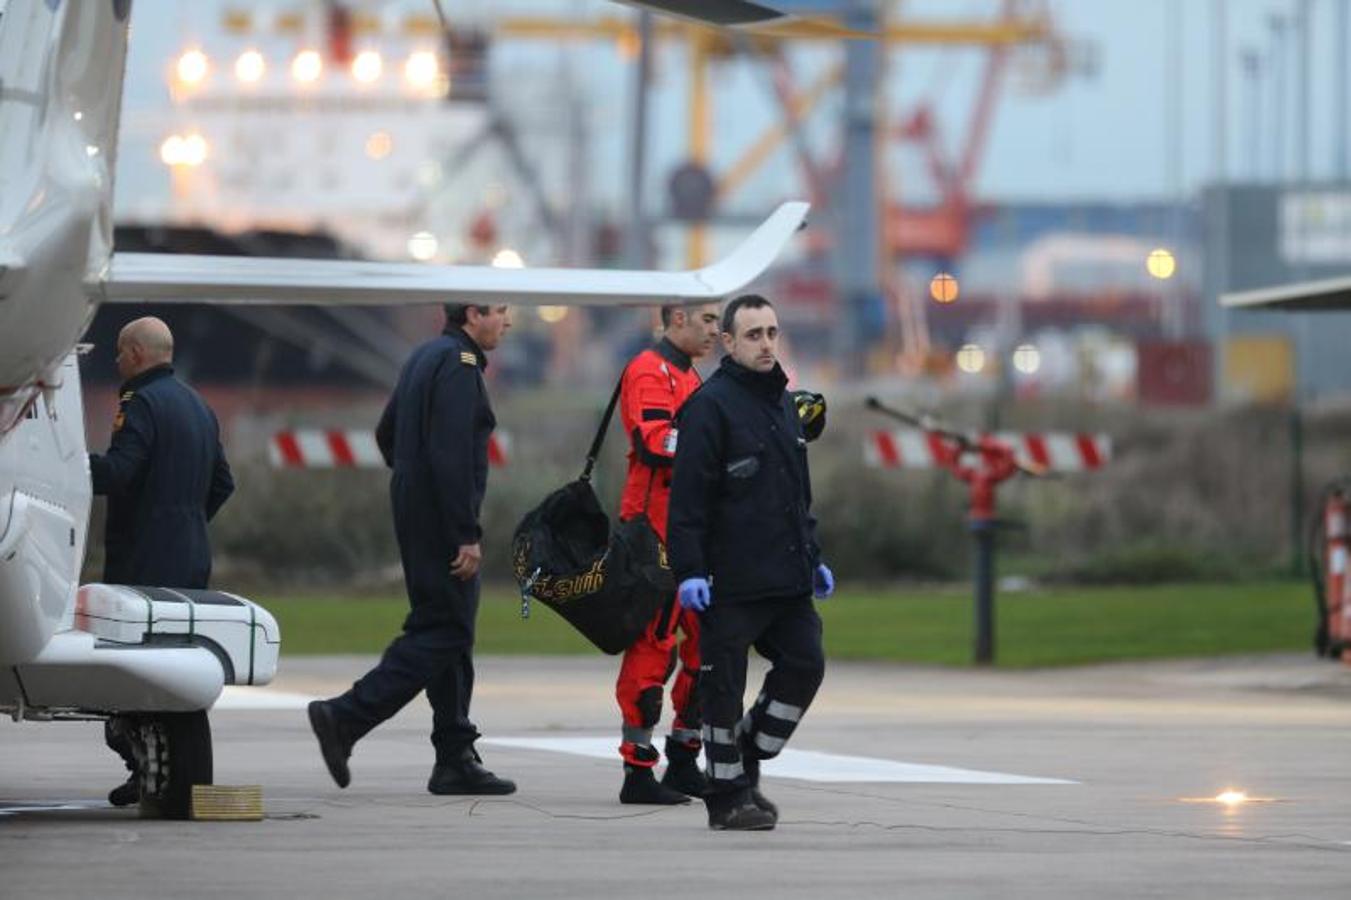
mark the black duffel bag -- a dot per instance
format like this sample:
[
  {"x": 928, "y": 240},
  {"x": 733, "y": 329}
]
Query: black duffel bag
[{"x": 607, "y": 583}]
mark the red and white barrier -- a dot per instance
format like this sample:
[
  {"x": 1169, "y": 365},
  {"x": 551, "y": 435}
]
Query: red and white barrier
[
  {"x": 912, "y": 448},
  {"x": 308, "y": 448}
]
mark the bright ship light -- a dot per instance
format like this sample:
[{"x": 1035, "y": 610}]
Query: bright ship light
[
  {"x": 179, "y": 150},
  {"x": 192, "y": 67},
  {"x": 367, "y": 66},
  {"x": 307, "y": 66},
  {"x": 250, "y": 67},
  {"x": 422, "y": 70}
]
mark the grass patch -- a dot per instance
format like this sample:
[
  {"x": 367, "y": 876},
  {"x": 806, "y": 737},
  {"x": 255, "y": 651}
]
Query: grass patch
[
  {"x": 1061, "y": 626},
  {"x": 1067, "y": 626}
]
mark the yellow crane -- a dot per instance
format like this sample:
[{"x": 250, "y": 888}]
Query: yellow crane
[{"x": 706, "y": 46}]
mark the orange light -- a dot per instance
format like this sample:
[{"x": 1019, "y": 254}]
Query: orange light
[
  {"x": 379, "y": 145},
  {"x": 629, "y": 43},
  {"x": 944, "y": 288}
]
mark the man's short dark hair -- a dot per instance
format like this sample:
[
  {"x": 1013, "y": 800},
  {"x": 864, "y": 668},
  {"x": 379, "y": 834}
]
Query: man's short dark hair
[
  {"x": 666, "y": 315},
  {"x": 458, "y": 313},
  {"x": 745, "y": 301}
]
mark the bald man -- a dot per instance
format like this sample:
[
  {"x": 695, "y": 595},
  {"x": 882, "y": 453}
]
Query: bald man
[{"x": 165, "y": 475}]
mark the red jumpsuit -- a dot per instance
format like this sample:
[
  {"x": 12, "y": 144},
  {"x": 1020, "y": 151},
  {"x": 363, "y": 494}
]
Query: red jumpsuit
[{"x": 655, "y": 385}]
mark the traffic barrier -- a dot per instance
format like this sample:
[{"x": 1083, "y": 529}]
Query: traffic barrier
[
  {"x": 312, "y": 448},
  {"x": 914, "y": 448}
]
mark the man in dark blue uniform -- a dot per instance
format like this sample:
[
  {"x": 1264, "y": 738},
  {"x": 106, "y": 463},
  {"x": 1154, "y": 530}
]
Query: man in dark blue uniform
[
  {"x": 434, "y": 434},
  {"x": 165, "y": 476},
  {"x": 744, "y": 553}
]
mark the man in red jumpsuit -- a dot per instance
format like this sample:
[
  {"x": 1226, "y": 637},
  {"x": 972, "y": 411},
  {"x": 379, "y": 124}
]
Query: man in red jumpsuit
[{"x": 655, "y": 385}]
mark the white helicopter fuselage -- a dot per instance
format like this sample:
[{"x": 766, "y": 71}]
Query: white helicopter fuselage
[
  {"x": 60, "y": 97},
  {"x": 44, "y": 513},
  {"x": 61, "y": 84}
]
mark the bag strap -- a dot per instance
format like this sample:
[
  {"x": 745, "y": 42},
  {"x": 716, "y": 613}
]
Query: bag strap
[{"x": 599, "y": 439}]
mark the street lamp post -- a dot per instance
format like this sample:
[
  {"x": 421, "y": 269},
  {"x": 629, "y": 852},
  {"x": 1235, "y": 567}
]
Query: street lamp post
[
  {"x": 1277, "y": 24},
  {"x": 1251, "y": 62}
]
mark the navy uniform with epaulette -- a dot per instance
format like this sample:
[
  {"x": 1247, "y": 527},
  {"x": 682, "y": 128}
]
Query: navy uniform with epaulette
[
  {"x": 165, "y": 476},
  {"x": 434, "y": 435}
]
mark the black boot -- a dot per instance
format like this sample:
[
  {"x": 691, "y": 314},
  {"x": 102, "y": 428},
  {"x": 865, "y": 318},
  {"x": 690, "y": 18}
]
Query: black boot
[
  {"x": 640, "y": 786},
  {"x": 737, "y": 812},
  {"x": 117, "y": 734},
  {"x": 751, "y": 764},
  {"x": 682, "y": 770},
  {"x": 333, "y": 744},
  {"x": 126, "y": 793},
  {"x": 466, "y": 775}
]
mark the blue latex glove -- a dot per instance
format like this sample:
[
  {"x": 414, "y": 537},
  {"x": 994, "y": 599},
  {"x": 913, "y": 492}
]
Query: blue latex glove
[
  {"x": 694, "y": 594},
  {"x": 823, "y": 581}
]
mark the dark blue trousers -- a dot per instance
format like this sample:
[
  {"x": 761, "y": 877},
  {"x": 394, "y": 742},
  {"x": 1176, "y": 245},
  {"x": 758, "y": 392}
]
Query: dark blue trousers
[
  {"x": 434, "y": 653},
  {"x": 785, "y": 631}
]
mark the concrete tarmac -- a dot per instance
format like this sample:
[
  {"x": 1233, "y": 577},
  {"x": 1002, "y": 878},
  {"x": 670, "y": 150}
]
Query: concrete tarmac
[{"x": 1130, "y": 754}]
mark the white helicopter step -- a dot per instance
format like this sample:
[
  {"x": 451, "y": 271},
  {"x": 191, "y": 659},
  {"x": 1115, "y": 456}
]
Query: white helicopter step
[{"x": 238, "y": 697}]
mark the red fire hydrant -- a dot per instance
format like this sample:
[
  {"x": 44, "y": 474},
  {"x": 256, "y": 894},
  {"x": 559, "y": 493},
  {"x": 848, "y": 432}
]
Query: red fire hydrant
[{"x": 994, "y": 463}]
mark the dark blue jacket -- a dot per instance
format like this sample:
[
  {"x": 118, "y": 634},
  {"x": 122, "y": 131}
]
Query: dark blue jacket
[
  {"x": 741, "y": 496},
  {"x": 434, "y": 434},
  {"x": 165, "y": 476}
]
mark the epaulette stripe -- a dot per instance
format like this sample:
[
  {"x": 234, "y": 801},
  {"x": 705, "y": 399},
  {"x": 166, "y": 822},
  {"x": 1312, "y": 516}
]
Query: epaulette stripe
[{"x": 468, "y": 358}]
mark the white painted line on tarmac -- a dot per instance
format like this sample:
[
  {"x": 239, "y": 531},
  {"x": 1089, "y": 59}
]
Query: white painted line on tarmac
[
  {"x": 807, "y": 765},
  {"x": 241, "y": 697},
  {"x": 14, "y": 809}
]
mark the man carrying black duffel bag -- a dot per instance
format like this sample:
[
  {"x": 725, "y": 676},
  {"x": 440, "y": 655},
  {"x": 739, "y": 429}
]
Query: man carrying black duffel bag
[{"x": 655, "y": 385}]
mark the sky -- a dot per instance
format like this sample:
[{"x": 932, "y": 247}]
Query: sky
[
  {"x": 1109, "y": 134},
  {"x": 1112, "y": 133}
]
